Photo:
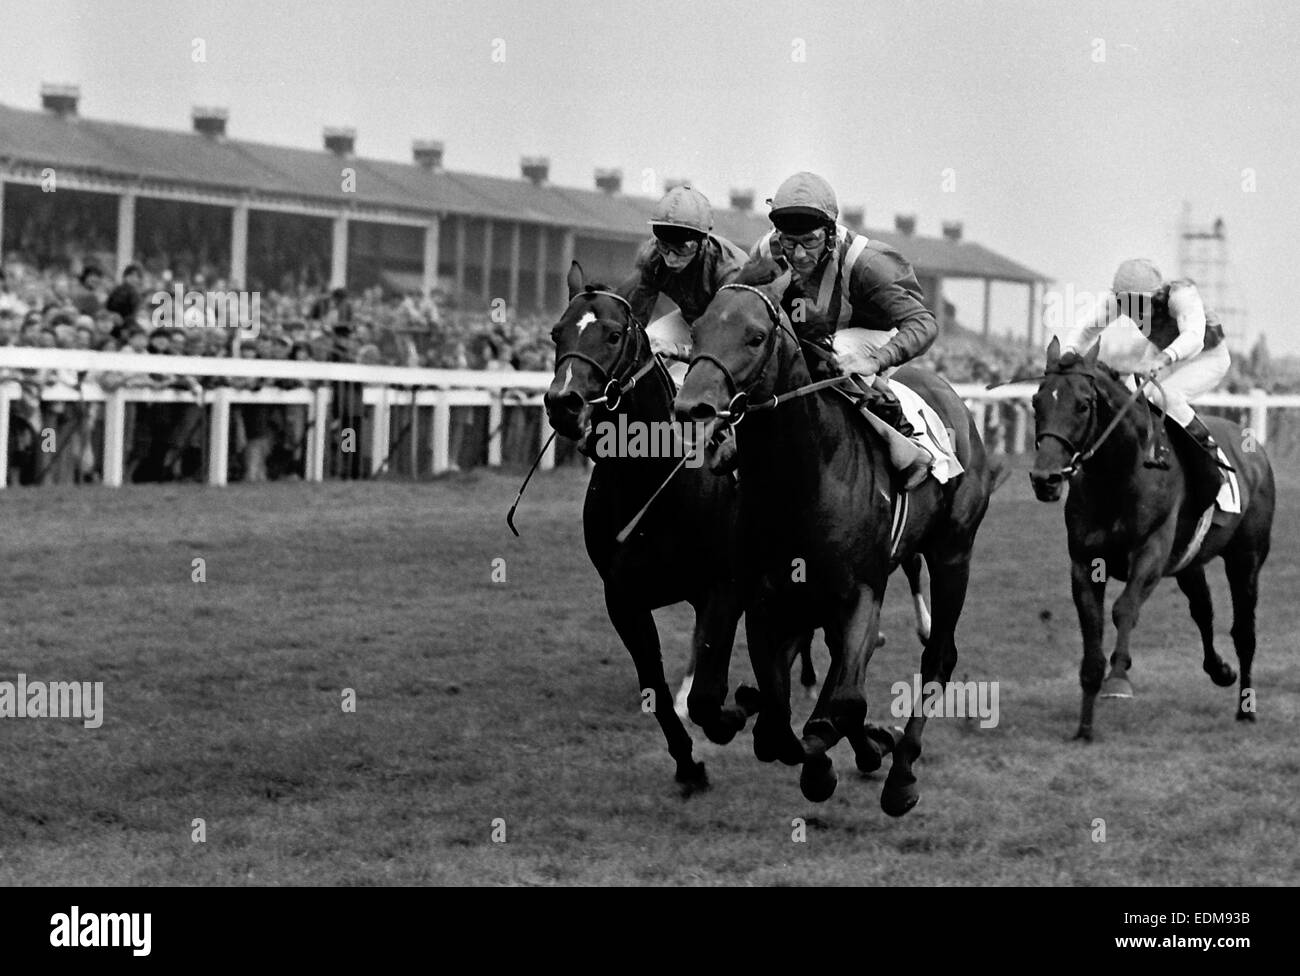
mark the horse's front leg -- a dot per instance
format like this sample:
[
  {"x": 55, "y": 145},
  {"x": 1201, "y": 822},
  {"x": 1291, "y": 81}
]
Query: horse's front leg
[
  {"x": 841, "y": 709},
  {"x": 1145, "y": 569},
  {"x": 716, "y": 618},
  {"x": 1090, "y": 603},
  {"x": 773, "y": 640},
  {"x": 636, "y": 627}
]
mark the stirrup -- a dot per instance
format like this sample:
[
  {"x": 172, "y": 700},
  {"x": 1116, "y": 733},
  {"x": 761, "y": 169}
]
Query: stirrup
[{"x": 1159, "y": 458}]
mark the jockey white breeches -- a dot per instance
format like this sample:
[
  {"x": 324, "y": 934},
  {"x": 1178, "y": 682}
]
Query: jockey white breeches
[{"x": 1188, "y": 379}]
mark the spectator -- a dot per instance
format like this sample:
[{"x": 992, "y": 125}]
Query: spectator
[
  {"x": 87, "y": 298},
  {"x": 126, "y": 299}
]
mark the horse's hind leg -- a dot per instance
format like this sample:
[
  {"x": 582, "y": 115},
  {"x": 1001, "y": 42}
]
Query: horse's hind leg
[
  {"x": 636, "y": 628},
  {"x": 807, "y": 673},
  {"x": 1243, "y": 578},
  {"x": 924, "y": 622},
  {"x": 1192, "y": 582},
  {"x": 949, "y": 577}
]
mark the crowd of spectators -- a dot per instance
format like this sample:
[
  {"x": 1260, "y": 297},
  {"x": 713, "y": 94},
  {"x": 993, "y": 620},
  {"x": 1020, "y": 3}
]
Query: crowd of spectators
[{"x": 87, "y": 310}]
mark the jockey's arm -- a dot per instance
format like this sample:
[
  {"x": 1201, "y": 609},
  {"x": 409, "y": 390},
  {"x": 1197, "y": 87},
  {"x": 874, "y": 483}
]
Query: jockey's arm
[
  {"x": 888, "y": 288},
  {"x": 641, "y": 289},
  {"x": 1188, "y": 311},
  {"x": 1088, "y": 328}
]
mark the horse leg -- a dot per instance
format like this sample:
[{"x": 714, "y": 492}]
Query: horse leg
[
  {"x": 715, "y": 634},
  {"x": 1090, "y": 603},
  {"x": 636, "y": 627},
  {"x": 924, "y": 622},
  {"x": 807, "y": 673},
  {"x": 771, "y": 652},
  {"x": 949, "y": 578},
  {"x": 1143, "y": 576},
  {"x": 1192, "y": 582},
  {"x": 841, "y": 708},
  {"x": 1243, "y": 567}
]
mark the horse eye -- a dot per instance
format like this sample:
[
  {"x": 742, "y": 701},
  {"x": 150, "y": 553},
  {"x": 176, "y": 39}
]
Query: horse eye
[
  {"x": 754, "y": 339},
  {"x": 1082, "y": 406},
  {"x": 614, "y": 337}
]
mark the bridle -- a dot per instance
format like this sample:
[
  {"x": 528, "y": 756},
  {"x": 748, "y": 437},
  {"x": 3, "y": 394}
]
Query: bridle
[
  {"x": 1079, "y": 457},
  {"x": 615, "y": 388},
  {"x": 739, "y": 405}
]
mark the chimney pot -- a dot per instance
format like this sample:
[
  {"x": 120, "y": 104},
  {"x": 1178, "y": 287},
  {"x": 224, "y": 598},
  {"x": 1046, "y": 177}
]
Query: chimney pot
[
  {"x": 742, "y": 200},
  {"x": 535, "y": 169},
  {"x": 341, "y": 141},
  {"x": 60, "y": 99},
  {"x": 905, "y": 224},
  {"x": 952, "y": 230},
  {"x": 427, "y": 153},
  {"x": 609, "y": 180},
  {"x": 210, "y": 121},
  {"x": 853, "y": 217}
]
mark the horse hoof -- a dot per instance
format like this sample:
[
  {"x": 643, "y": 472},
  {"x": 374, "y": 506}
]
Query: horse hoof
[
  {"x": 897, "y": 800},
  {"x": 1224, "y": 675},
  {"x": 1083, "y": 735},
  {"x": 817, "y": 780},
  {"x": 1116, "y": 688},
  {"x": 749, "y": 699},
  {"x": 691, "y": 777},
  {"x": 1245, "y": 716},
  {"x": 720, "y": 733}
]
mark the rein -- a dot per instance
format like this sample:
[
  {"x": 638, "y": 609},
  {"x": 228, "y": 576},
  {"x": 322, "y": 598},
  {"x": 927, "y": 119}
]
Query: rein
[
  {"x": 1078, "y": 457},
  {"x": 739, "y": 405},
  {"x": 611, "y": 396}
]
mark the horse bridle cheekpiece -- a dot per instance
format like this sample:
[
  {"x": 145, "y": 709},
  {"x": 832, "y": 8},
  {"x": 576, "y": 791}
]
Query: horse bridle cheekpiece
[
  {"x": 615, "y": 388},
  {"x": 1078, "y": 457},
  {"x": 739, "y": 405}
]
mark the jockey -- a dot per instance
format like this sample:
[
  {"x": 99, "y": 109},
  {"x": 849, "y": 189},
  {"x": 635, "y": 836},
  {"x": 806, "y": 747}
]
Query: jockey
[
  {"x": 1181, "y": 344},
  {"x": 684, "y": 261},
  {"x": 857, "y": 299}
]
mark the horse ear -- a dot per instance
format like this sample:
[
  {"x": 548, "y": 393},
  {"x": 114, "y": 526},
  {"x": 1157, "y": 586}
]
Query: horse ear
[
  {"x": 576, "y": 279},
  {"x": 1090, "y": 357},
  {"x": 1053, "y": 352}
]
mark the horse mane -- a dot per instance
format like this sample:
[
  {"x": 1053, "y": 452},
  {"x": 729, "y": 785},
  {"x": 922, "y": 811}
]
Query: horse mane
[
  {"x": 1072, "y": 362},
  {"x": 759, "y": 271}
]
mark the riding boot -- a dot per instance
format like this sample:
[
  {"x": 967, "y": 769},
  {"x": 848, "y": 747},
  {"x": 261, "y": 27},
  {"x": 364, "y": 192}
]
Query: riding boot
[
  {"x": 884, "y": 412},
  {"x": 1204, "y": 439}
]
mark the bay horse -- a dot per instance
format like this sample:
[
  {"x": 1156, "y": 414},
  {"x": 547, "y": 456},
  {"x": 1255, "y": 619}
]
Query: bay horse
[
  {"x": 1137, "y": 523},
  {"x": 683, "y": 550},
  {"x": 817, "y": 494}
]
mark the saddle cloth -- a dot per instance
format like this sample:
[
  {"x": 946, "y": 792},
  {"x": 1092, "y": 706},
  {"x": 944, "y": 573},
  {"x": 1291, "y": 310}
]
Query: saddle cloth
[
  {"x": 930, "y": 432},
  {"x": 1229, "y": 498}
]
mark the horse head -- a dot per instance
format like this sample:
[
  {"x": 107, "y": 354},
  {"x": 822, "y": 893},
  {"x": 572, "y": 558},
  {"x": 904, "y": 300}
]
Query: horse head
[
  {"x": 740, "y": 350},
  {"x": 1075, "y": 393},
  {"x": 598, "y": 346}
]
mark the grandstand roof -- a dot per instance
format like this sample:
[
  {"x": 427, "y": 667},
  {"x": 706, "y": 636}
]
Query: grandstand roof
[{"x": 120, "y": 151}]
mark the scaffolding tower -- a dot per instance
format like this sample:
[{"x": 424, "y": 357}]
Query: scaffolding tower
[{"x": 1203, "y": 257}]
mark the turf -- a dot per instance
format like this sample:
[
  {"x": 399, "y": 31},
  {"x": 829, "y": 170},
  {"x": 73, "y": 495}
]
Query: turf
[{"x": 482, "y": 702}]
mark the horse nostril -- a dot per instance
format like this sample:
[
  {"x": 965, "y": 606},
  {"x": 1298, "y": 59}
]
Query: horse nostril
[
  {"x": 703, "y": 411},
  {"x": 569, "y": 402}
]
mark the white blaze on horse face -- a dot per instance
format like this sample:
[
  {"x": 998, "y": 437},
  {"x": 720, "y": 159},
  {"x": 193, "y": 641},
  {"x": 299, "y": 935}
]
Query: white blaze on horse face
[
  {"x": 1056, "y": 395},
  {"x": 568, "y": 378},
  {"x": 585, "y": 321}
]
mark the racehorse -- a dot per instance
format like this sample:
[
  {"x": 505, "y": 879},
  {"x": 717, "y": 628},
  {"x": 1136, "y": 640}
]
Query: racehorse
[
  {"x": 817, "y": 505},
  {"x": 1139, "y": 523},
  {"x": 685, "y": 546}
]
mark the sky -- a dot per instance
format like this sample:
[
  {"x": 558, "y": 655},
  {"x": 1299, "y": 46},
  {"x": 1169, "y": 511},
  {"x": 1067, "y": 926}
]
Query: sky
[{"x": 1065, "y": 135}]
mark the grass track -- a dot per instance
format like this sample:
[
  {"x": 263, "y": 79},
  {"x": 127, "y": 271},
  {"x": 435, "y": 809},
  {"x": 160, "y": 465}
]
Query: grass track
[{"x": 478, "y": 700}]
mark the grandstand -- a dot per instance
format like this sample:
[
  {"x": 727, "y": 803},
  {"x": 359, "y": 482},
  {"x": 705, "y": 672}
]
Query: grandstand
[{"x": 263, "y": 216}]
